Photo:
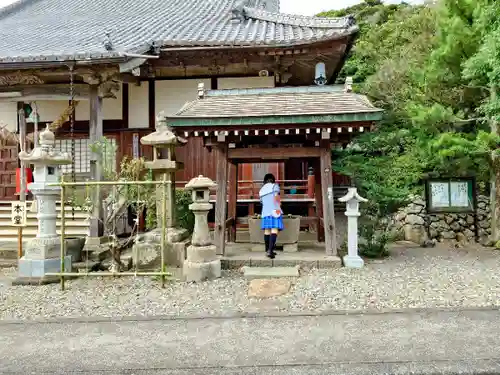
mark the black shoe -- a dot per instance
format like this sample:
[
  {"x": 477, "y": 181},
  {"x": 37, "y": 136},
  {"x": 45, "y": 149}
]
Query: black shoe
[{"x": 271, "y": 254}]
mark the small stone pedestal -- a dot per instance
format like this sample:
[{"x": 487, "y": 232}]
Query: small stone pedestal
[
  {"x": 352, "y": 199},
  {"x": 202, "y": 262},
  {"x": 43, "y": 253}
]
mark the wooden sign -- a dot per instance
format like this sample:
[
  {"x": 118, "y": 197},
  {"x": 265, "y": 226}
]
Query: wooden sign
[
  {"x": 18, "y": 214},
  {"x": 452, "y": 195},
  {"x": 135, "y": 146}
]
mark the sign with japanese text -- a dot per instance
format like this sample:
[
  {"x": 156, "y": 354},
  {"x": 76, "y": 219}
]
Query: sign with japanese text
[
  {"x": 453, "y": 195},
  {"x": 18, "y": 214}
]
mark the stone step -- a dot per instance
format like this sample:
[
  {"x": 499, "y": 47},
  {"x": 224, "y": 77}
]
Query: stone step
[
  {"x": 252, "y": 273},
  {"x": 31, "y": 222},
  {"x": 6, "y": 215}
]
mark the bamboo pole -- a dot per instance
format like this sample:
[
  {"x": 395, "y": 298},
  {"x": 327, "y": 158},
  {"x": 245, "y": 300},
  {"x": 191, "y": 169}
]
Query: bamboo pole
[
  {"x": 35, "y": 123},
  {"x": 22, "y": 190},
  {"x": 108, "y": 274},
  {"x": 163, "y": 228},
  {"x": 63, "y": 230},
  {"x": 163, "y": 274},
  {"x": 117, "y": 183}
]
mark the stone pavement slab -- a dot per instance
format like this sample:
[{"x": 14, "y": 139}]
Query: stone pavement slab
[
  {"x": 464, "y": 342},
  {"x": 252, "y": 273}
]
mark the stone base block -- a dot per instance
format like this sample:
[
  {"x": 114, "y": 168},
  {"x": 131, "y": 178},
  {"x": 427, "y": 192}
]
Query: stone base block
[
  {"x": 147, "y": 255},
  {"x": 32, "y": 271},
  {"x": 97, "y": 248},
  {"x": 201, "y": 254},
  {"x": 43, "y": 248},
  {"x": 176, "y": 254},
  {"x": 201, "y": 271},
  {"x": 259, "y": 248},
  {"x": 353, "y": 261},
  {"x": 291, "y": 247}
]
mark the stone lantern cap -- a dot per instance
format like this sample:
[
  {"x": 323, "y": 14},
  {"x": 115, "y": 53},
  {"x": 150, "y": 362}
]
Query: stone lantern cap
[
  {"x": 200, "y": 182},
  {"x": 163, "y": 135},
  {"x": 352, "y": 193},
  {"x": 44, "y": 153}
]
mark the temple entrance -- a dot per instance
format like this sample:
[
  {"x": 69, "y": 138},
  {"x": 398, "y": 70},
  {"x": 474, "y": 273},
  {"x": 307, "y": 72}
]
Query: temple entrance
[{"x": 297, "y": 192}]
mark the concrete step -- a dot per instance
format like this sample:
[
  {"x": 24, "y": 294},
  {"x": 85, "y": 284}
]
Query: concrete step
[
  {"x": 252, "y": 273},
  {"x": 32, "y": 215},
  {"x": 34, "y": 223}
]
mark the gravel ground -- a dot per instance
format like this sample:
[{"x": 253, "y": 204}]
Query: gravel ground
[{"x": 410, "y": 278}]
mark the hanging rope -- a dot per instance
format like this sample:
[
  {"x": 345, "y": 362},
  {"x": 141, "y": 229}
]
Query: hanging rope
[{"x": 72, "y": 132}]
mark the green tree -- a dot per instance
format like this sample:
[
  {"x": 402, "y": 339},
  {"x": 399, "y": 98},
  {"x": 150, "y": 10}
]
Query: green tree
[{"x": 434, "y": 69}]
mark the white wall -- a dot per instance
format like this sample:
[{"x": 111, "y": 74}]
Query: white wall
[
  {"x": 171, "y": 95},
  {"x": 138, "y": 111},
  {"x": 49, "y": 110},
  {"x": 111, "y": 108},
  {"x": 8, "y": 115},
  {"x": 245, "y": 83}
]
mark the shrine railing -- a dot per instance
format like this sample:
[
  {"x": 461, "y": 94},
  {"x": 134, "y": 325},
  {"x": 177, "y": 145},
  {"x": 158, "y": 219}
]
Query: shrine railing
[{"x": 93, "y": 205}]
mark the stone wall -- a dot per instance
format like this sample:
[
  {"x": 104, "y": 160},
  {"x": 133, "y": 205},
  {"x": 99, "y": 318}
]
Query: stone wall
[{"x": 418, "y": 226}]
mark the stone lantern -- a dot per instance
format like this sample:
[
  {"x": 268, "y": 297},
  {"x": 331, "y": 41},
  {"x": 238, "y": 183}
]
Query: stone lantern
[
  {"x": 43, "y": 253},
  {"x": 164, "y": 165},
  {"x": 202, "y": 262},
  {"x": 352, "y": 200},
  {"x": 147, "y": 247}
]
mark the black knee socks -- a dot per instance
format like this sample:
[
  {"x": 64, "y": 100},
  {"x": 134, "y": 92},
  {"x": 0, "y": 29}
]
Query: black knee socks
[
  {"x": 272, "y": 242},
  {"x": 266, "y": 241}
]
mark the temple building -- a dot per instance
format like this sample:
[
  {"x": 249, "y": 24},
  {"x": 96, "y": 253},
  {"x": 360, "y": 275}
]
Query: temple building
[{"x": 108, "y": 68}]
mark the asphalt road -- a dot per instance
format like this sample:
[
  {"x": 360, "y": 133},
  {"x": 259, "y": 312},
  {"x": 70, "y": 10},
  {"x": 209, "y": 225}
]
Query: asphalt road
[{"x": 428, "y": 343}]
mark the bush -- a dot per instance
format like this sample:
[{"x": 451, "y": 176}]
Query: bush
[
  {"x": 375, "y": 238},
  {"x": 185, "y": 217}
]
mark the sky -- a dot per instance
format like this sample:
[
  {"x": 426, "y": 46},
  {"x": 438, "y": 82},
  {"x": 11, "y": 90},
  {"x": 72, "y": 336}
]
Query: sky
[{"x": 304, "y": 7}]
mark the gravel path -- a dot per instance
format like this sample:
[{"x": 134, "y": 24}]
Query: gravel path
[{"x": 411, "y": 278}]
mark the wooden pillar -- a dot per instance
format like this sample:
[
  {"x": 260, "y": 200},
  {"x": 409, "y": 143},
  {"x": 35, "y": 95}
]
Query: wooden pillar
[
  {"x": 221, "y": 197},
  {"x": 318, "y": 200},
  {"x": 232, "y": 199},
  {"x": 95, "y": 134},
  {"x": 327, "y": 196}
]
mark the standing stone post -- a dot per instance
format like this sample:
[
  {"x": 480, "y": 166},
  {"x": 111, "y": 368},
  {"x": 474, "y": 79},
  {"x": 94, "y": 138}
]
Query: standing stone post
[
  {"x": 43, "y": 253},
  {"x": 202, "y": 262},
  {"x": 352, "y": 200},
  {"x": 146, "y": 250}
]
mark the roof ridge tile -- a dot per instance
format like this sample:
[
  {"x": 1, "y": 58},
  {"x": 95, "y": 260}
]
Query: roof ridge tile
[{"x": 299, "y": 20}]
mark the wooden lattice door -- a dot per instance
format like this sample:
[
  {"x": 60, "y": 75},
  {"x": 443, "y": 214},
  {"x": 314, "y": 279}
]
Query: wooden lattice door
[{"x": 8, "y": 165}]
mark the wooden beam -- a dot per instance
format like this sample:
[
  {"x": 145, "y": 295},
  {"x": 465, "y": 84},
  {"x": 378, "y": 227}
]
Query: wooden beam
[
  {"x": 278, "y": 153},
  {"x": 220, "y": 205},
  {"x": 129, "y": 78},
  {"x": 233, "y": 195},
  {"x": 125, "y": 105},
  {"x": 319, "y": 200},
  {"x": 95, "y": 134},
  {"x": 48, "y": 91},
  {"x": 327, "y": 196},
  {"x": 151, "y": 104}
]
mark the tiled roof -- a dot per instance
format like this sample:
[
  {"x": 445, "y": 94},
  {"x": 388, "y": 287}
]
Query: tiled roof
[
  {"x": 278, "y": 103},
  {"x": 58, "y": 30}
]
